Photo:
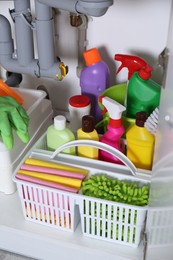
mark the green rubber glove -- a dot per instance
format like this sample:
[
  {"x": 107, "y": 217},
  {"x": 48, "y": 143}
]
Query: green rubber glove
[{"x": 12, "y": 116}]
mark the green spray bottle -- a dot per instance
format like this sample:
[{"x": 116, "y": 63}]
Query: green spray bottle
[{"x": 143, "y": 94}]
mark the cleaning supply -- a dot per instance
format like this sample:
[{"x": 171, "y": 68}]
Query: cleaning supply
[
  {"x": 57, "y": 172},
  {"x": 5, "y": 90},
  {"x": 75, "y": 183},
  {"x": 88, "y": 132},
  {"x": 79, "y": 106},
  {"x": 115, "y": 129},
  {"x": 105, "y": 187},
  {"x": 46, "y": 183},
  {"x": 94, "y": 79},
  {"x": 140, "y": 143},
  {"x": 152, "y": 121},
  {"x": 58, "y": 134},
  {"x": 132, "y": 63},
  {"x": 143, "y": 94},
  {"x": 13, "y": 116},
  {"x": 54, "y": 165}
]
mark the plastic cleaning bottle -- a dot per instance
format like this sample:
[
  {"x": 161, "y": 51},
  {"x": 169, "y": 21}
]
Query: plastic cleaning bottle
[
  {"x": 88, "y": 132},
  {"x": 94, "y": 79},
  {"x": 58, "y": 134},
  {"x": 140, "y": 143},
  {"x": 115, "y": 129},
  {"x": 79, "y": 106},
  {"x": 143, "y": 94}
]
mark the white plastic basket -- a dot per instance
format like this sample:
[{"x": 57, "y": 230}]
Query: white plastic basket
[
  {"x": 101, "y": 219},
  {"x": 107, "y": 220},
  {"x": 112, "y": 221},
  {"x": 48, "y": 206}
]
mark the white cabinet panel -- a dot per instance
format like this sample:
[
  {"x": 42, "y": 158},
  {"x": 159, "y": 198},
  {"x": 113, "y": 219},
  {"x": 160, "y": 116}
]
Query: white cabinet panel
[{"x": 160, "y": 215}]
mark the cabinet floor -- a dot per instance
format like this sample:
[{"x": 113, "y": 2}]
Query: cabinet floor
[{"x": 4, "y": 255}]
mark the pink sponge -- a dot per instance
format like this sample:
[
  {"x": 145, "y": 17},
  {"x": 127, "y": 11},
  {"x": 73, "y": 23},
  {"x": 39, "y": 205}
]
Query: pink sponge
[{"x": 52, "y": 171}]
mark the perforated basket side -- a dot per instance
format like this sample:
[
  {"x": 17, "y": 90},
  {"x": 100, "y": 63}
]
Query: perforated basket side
[
  {"x": 107, "y": 227},
  {"x": 110, "y": 221},
  {"x": 48, "y": 207}
]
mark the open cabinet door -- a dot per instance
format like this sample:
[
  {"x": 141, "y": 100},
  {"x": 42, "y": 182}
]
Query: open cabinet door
[{"x": 159, "y": 227}]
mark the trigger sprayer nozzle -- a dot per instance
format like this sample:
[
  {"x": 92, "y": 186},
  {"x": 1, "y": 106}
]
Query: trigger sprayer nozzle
[
  {"x": 114, "y": 110},
  {"x": 132, "y": 63}
]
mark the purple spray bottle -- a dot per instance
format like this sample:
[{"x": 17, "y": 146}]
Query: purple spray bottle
[
  {"x": 94, "y": 79},
  {"x": 115, "y": 129}
]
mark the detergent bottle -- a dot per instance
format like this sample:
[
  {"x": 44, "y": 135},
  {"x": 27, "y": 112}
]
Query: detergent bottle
[
  {"x": 87, "y": 132},
  {"x": 79, "y": 106},
  {"x": 94, "y": 79},
  {"x": 115, "y": 129},
  {"x": 140, "y": 143},
  {"x": 143, "y": 94},
  {"x": 58, "y": 134}
]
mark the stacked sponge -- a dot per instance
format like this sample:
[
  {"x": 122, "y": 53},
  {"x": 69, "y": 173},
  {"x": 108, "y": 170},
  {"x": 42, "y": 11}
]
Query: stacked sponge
[{"x": 51, "y": 174}]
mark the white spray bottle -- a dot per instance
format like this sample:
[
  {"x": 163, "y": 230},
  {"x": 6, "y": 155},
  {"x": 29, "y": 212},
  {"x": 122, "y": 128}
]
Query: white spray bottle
[{"x": 115, "y": 129}]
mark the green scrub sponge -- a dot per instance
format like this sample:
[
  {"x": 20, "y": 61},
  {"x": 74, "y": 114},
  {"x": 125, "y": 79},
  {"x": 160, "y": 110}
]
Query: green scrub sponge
[{"x": 104, "y": 187}]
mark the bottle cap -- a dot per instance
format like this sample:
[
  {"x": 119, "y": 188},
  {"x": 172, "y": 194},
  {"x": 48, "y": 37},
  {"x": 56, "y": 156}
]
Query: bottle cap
[
  {"x": 145, "y": 72},
  {"x": 79, "y": 101},
  {"x": 141, "y": 117},
  {"x": 60, "y": 122},
  {"x": 92, "y": 56},
  {"x": 87, "y": 123}
]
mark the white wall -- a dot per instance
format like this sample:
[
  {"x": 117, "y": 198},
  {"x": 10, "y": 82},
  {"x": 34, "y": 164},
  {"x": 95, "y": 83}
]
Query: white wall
[{"x": 137, "y": 27}]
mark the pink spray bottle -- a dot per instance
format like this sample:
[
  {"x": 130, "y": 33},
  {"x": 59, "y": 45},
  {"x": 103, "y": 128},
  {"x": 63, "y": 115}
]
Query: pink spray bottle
[{"x": 115, "y": 129}]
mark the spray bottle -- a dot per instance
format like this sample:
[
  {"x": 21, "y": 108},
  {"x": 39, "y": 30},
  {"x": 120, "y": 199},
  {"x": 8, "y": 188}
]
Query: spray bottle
[
  {"x": 143, "y": 94},
  {"x": 115, "y": 129}
]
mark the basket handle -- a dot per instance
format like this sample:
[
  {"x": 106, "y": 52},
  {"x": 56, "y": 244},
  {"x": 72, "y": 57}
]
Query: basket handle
[{"x": 96, "y": 144}]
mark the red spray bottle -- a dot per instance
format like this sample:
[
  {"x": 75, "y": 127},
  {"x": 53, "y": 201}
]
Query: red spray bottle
[{"x": 143, "y": 94}]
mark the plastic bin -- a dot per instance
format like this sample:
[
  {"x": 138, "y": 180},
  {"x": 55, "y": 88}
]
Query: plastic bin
[
  {"x": 48, "y": 206},
  {"x": 112, "y": 221},
  {"x": 40, "y": 113},
  {"x": 100, "y": 219}
]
